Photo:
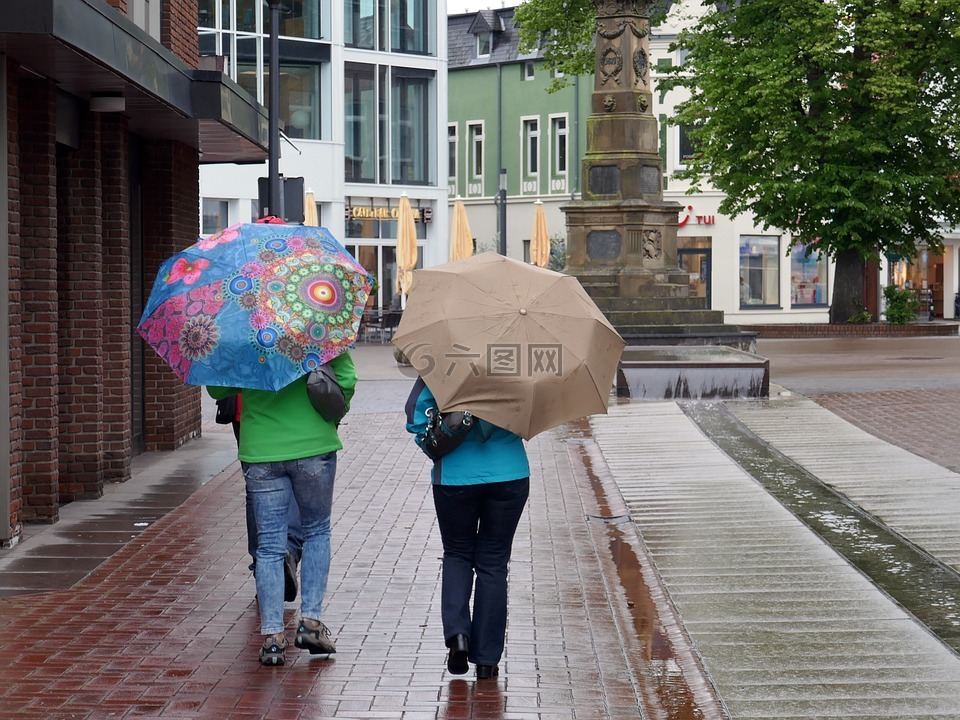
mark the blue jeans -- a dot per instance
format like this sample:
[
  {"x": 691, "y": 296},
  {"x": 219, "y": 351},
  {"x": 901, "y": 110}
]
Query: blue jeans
[
  {"x": 477, "y": 525},
  {"x": 294, "y": 532},
  {"x": 271, "y": 487}
]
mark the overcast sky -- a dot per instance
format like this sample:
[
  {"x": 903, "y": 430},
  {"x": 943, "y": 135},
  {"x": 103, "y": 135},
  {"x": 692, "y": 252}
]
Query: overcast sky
[{"x": 455, "y": 7}]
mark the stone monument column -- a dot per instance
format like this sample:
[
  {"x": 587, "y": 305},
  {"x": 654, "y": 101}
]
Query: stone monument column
[{"x": 622, "y": 226}]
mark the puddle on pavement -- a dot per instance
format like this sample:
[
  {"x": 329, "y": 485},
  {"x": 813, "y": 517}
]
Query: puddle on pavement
[
  {"x": 923, "y": 586},
  {"x": 672, "y": 681}
]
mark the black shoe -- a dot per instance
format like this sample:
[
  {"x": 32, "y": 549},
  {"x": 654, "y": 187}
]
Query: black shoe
[
  {"x": 457, "y": 659},
  {"x": 289, "y": 578},
  {"x": 485, "y": 672}
]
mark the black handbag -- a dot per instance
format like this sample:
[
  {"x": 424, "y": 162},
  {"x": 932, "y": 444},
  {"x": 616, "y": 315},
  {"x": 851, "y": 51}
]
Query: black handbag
[
  {"x": 445, "y": 433},
  {"x": 325, "y": 394},
  {"x": 226, "y": 410}
]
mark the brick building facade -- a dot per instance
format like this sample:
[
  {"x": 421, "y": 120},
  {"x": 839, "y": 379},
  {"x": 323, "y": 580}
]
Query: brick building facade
[{"x": 106, "y": 123}]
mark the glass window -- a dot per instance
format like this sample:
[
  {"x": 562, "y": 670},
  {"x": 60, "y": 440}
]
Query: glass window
[
  {"x": 686, "y": 146},
  {"x": 759, "y": 270},
  {"x": 360, "y": 104},
  {"x": 227, "y": 17},
  {"x": 246, "y": 15},
  {"x": 360, "y": 24},
  {"x": 300, "y": 101},
  {"x": 215, "y": 215},
  {"x": 808, "y": 277},
  {"x": 559, "y": 145},
  {"x": 254, "y": 210},
  {"x": 207, "y": 13},
  {"x": 409, "y": 23},
  {"x": 410, "y": 127},
  {"x": 528, "y": 70},
  {"x": 475, "y": 136},
  {"x": 299, "y": 19},
  {"x": 484, "y": 43},
  {"x": 452, "y": 152},
  {"x": 531, "y": 141}
]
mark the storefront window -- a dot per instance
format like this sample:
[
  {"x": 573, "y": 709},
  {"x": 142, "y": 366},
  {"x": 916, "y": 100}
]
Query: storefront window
[
  {"x": 410, "y": 126},
  {"x": 759, "y": 270},
  {"x": 808, "y": 277},
  {"x": 360, "y": 102}
]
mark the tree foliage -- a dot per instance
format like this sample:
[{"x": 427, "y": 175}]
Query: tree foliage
[{"x": 835, "y": 121}]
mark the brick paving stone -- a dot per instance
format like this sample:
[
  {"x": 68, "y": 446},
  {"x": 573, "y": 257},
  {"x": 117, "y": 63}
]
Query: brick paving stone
[{"x": 168, "y": 626}]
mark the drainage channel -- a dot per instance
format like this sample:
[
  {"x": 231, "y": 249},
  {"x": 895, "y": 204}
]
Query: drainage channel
[{"x": 922, "y": 585}]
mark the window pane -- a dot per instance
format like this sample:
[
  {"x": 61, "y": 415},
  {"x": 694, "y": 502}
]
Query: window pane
[
  {"x": 360, "y": 103},
  {"x": 410, "y": 129},
  {"x": 759, "y": 270},
  {"x": 359, "y": 24},
  {"x": 300, "y": 101},
  {"x": 560, "y": 145},
  {"x": 687, "y": 148},
  {"x": 409, "y": 23},
  {"x": 808, "y": 277},
  {"x": 207, "y": 15},
  {"x": 215, "y": 215},
  {"x": 452, "y": 152},
  {"x": 247, "y": 15},
  {"x": 531, "y": 134},
  {"x": 483, "y": 44},
  {"x": 475, "y": 133},
  {"x": 299, "y": 18}
]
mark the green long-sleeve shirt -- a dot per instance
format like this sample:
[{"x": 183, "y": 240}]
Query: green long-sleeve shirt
[{"x": 278, "y": 426}]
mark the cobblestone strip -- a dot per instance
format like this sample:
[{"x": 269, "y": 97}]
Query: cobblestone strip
[{"x": 785, "y": 627}]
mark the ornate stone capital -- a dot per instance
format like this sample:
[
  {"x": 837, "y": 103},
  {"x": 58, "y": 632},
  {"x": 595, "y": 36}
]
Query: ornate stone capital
[{"x": 615, "y": 8}]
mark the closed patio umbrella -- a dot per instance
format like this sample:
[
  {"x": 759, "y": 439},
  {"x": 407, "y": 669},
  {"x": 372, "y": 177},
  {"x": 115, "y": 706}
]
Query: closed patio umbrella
[
  {"x": 461, "y": 239},
  {"x": 310, "y": 209},
  {"x": 406, "y": 248},
  {"x": 540, "y": 239}
]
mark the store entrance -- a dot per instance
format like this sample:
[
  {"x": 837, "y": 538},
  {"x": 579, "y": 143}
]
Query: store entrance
[{"x": 697, "y": 262}]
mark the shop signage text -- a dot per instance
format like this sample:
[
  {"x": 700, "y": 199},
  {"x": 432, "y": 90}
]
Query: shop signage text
[
  {"x": 365, "y": 212},
  {"x": 687, "y": 215}
]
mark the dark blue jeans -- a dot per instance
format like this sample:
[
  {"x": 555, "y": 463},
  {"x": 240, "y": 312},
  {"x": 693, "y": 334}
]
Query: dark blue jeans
[{"x": 477, "y": 525}]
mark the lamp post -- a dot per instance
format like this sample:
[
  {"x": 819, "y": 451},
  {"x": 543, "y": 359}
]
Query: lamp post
[
  {"x": 273, "y": 113},
  {"x": 502, "y": 197}
]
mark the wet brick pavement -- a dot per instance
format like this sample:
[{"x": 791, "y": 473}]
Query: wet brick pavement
[{"x": 167, "y": 626}]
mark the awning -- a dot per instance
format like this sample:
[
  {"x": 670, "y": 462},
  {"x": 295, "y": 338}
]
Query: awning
[{"x": 89, "y": 49}]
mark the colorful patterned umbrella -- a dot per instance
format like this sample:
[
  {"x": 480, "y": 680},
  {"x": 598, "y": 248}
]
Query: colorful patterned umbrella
[{"x": 255, "y": 306}]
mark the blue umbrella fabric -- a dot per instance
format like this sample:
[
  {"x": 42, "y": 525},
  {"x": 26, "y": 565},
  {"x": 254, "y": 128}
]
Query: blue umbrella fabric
[{"x": 255, "y": 306}]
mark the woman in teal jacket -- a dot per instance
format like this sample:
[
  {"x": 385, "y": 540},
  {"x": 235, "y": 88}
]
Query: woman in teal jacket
[
  {"x": 288, "y": 450},
  {"x": 479, "y": 491}
]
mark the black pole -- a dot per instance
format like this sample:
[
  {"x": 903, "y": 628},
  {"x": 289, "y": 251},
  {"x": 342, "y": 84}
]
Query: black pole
[{"x": 273, "y": 172}]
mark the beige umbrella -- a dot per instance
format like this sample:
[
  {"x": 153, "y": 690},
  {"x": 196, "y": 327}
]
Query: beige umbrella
[
  {"x": 310, "y": 209},
  {"x": 540, "y": 239},
  {"x": 520, "y": 346},
  {"x": 461, "y": 240},
  {"x": 406, "y": 247}
]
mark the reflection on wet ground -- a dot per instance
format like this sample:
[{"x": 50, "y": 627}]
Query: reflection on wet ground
[
  {"x": 675, "y": 686},
  {"x": 925, "y": 587}
]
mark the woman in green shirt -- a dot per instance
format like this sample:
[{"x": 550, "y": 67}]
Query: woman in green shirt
[{"x": 287, "y": 449}]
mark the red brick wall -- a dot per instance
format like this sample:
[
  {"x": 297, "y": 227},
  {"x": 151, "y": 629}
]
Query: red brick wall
[
  {"x": 178, "y": 30},
  {"x": 171, "y": 208},
  {"x": 852, "y": 330},
  {"x": 38, "y": 326},
  {"x": 120, "y": 5},
  {"x": 80, "y": 329},
  {"x": 14, "y": 304},
  {"x": 117, "y": 323}
]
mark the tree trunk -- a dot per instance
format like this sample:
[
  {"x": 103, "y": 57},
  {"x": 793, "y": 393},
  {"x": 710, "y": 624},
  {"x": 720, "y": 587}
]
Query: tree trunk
[{"x": 847, "y": 287}]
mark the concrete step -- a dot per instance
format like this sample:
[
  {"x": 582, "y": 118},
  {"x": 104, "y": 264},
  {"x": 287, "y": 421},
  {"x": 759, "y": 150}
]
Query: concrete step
[{"x": 618, "y": 304}]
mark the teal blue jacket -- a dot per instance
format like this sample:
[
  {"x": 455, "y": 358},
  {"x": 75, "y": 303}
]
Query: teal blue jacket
[{"x": 489, "y": 454}]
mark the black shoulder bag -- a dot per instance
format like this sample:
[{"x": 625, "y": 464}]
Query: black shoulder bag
[{"x": 325, "y": 394}]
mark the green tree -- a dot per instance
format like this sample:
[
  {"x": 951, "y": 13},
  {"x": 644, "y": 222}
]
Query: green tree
[{"x": 835, "y": 121}]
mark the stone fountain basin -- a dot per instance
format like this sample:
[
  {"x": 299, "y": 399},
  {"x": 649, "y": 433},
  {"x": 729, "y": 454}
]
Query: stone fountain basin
[{"x": 666, "y": 372}]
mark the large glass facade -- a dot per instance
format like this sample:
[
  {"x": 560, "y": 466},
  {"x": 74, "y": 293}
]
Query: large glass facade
[
  {"x": 360, "y": 24},
  {"x": 808, "y": 277},
  {"x": 406, "y": 24},
  {"x": 409, "y": 25},
  {"x": 759, "y": 270}
]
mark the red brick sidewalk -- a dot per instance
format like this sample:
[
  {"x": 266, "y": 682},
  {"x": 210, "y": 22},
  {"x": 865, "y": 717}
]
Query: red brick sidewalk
[{"x": 167, "y": 627}]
